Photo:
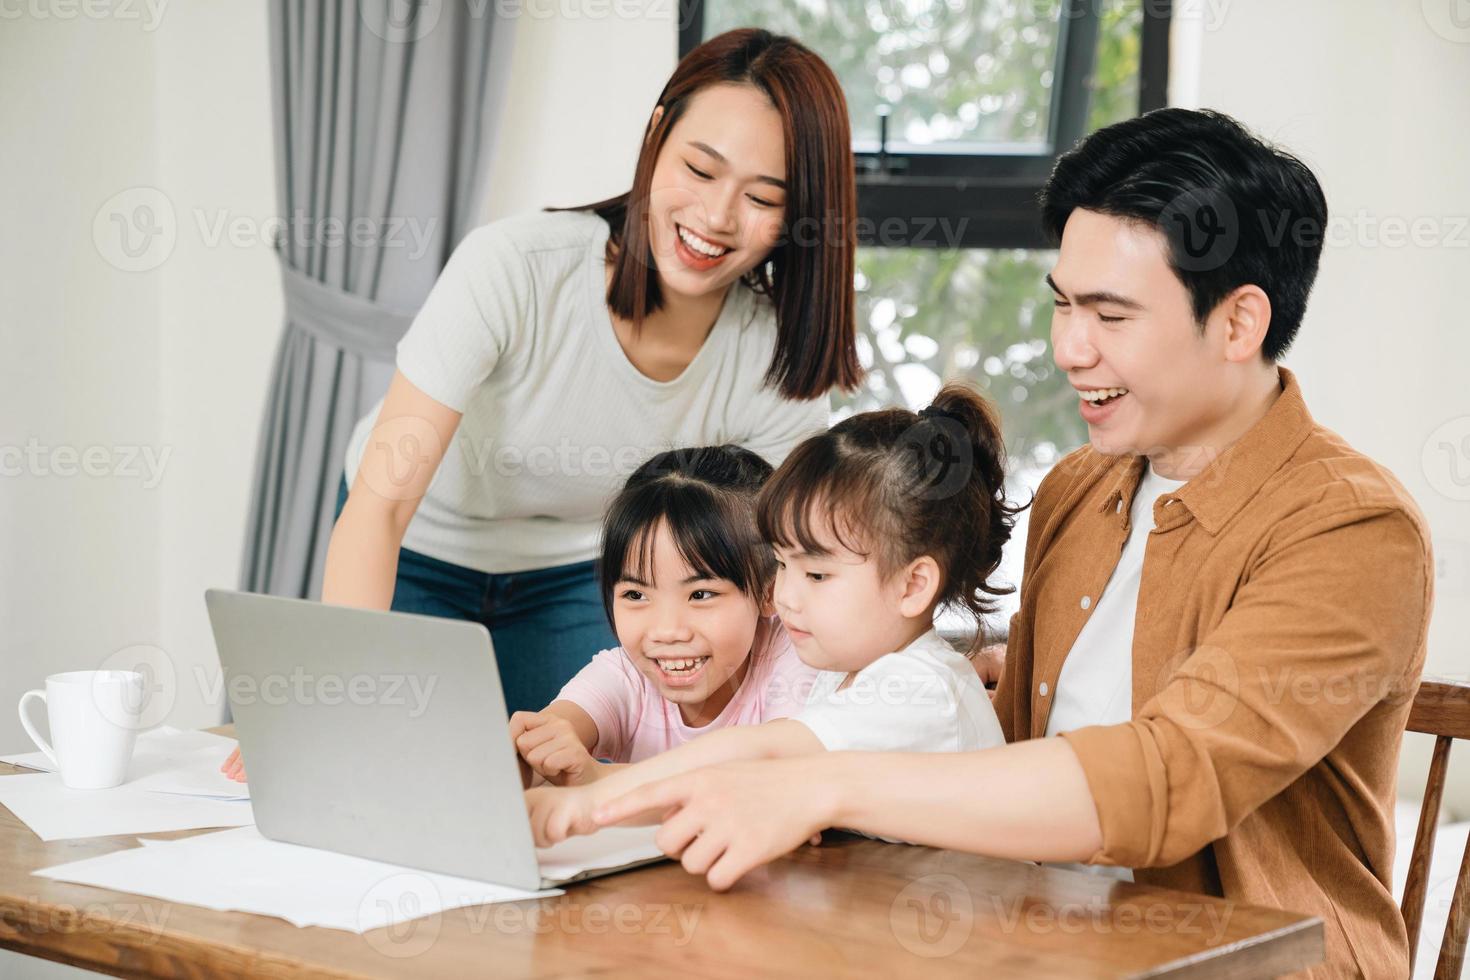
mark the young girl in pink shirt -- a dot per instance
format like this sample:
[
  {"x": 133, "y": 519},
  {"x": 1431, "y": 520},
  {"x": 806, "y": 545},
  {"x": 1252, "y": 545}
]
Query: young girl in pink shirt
[{"x": 686, "y": 581}]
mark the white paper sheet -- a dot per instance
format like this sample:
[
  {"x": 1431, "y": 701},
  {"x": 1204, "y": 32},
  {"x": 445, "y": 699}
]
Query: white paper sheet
[
  {"x": 169, "y": 760},
  {"x": 610, "y": 847},
  {"x": 55, "y": 812},
  {"x": 239, "y": 870}
]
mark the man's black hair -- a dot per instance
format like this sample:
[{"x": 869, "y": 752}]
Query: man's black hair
[{"x": 1234, "y": 210}]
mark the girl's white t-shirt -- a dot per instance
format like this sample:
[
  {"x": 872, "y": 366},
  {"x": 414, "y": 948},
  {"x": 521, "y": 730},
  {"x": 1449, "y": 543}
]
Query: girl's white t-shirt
[
  {"x": 924, "y": 698},
  {"x": 516, "y": 335}
]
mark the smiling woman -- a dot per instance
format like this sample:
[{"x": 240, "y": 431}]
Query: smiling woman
[{"x": 746, "y": 174}]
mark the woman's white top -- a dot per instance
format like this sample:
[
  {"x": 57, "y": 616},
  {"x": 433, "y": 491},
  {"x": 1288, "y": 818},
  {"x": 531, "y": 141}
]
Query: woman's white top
[{"x": 516, "y": 335}]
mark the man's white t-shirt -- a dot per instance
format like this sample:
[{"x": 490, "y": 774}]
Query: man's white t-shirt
[
  {"x": 516, "y": 335},
  {"x": 1095, "y": 686}
]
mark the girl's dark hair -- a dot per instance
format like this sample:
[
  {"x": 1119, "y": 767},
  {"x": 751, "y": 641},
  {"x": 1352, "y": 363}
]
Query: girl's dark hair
[
  {"x": 706, "y": 497},
  {"x": 809, "y": 274},
  {"x": 895, "y": 485},
  {"x": 1233, "y": 209}
]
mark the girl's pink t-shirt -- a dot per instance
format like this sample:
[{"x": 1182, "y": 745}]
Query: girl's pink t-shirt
[{"x": 634, "y": 721}]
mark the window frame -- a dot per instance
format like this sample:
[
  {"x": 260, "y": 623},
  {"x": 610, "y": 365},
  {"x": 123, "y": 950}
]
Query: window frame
[{"x": 986, "y": 200}]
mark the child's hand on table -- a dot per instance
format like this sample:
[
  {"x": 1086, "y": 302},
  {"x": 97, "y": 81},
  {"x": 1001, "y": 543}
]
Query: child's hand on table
[{"x": 549, "y": 745}]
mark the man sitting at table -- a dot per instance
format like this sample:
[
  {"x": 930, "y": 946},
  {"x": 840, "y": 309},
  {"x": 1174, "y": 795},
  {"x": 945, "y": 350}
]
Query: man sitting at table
[{"x": 1223, "y": 608}]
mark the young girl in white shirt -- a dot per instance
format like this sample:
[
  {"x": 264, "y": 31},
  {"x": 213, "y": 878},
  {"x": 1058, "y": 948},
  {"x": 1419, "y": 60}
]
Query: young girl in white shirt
[{"x": 876, "y": 525}]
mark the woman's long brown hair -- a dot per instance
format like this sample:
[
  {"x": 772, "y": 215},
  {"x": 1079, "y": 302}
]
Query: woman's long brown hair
[{"x": 809, "y": 274}]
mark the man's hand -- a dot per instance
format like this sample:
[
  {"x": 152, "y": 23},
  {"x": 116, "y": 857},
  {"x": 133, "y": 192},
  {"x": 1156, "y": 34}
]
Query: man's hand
[
  {"x": 722, "y": 821},
  {"x": 549, "y": 745}
]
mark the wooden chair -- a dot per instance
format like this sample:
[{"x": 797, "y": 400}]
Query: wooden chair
[{"x": 1442, "y": 709}]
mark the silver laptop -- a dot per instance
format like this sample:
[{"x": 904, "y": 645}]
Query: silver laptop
[{"x": 384, "y": 735}]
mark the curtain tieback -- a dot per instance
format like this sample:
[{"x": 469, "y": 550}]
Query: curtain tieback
[{"x": 334, "y": 316}]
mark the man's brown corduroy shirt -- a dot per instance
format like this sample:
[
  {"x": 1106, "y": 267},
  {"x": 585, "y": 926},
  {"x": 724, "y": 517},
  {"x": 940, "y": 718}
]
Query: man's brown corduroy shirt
[{"x": 1278, "y": 640}]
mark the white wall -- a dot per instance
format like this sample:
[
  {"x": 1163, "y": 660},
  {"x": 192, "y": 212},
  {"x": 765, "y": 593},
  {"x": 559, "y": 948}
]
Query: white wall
[
  {"x": 141, "y": 115},
  {"x": 220, "y": 317},
  {"x": 1375, "y": 97},
  {"x": 81, "y": 348},
  {"x": 581, "y": 92}
]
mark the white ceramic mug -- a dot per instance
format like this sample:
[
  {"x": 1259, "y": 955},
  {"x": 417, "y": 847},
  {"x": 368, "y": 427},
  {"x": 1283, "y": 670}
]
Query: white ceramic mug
[{"x": 94, "y": 718}]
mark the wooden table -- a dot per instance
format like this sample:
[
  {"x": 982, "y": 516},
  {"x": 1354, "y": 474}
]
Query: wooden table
[{"x": 853, "y": 907}]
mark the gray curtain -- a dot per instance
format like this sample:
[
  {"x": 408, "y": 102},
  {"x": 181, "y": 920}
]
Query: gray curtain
[{"x": 384, "y": 116}]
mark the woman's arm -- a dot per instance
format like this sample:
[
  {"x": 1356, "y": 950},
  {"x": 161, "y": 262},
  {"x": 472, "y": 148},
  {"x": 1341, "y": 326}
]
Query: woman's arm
[{"x": 403, "y": 452}]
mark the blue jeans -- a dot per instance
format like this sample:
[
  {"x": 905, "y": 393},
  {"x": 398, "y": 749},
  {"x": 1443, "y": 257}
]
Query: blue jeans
[{"x": 546, "y": 624}]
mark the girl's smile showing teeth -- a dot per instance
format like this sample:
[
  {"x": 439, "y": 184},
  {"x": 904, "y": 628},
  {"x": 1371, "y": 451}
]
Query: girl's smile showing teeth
[{"x": 680, "y": 670}]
